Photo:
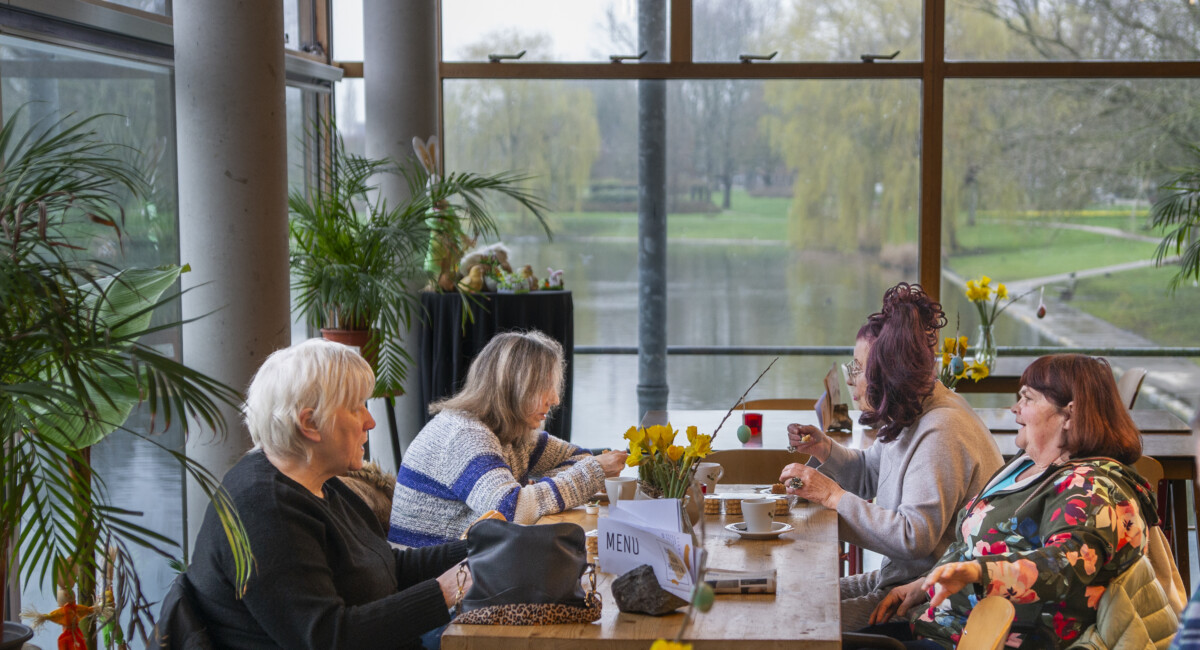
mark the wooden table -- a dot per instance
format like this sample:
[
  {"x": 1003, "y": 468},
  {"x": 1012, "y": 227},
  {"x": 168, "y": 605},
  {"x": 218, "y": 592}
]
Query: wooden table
[
  {"x": 1165, "y": 437},
  {"x": 804, "y": 611}
]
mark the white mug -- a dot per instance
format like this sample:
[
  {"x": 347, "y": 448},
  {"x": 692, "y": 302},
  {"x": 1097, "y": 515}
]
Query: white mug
[
  {"x": 759, "y": 514},
  {"x": 709, "y": 474},
  {"x": 619, "y": 488}
]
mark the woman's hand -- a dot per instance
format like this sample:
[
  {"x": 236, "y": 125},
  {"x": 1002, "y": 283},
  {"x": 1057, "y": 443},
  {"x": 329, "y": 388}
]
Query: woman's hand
[
  {"x": 812, "y": 485},
  {"x": 448, "y": 581},
  {"x": 809, "y": 440},
  {"x": 613, "y": 461},
  {"x": 950, "y": 578},
  {"x": 898, "y": 602}
]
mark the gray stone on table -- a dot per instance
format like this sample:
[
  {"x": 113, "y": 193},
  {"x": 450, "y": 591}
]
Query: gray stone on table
[{"x": 638, "y": 592}]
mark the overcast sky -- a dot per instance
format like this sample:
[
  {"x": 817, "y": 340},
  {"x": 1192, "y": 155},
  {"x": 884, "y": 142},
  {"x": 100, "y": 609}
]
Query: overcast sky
[{"x": 576, "y": 26}]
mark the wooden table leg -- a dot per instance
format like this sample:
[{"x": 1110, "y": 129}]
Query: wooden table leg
[{"x": 1179, "y": 513}]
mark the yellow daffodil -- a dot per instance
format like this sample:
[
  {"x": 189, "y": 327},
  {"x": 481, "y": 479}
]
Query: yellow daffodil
[
  {"x": 977, "y": 370},
  {"x": 700, "y": 447},
  {"x": 984, "y": 281},
  {"x": 1001, "y": 291},
  {"x": 691, "y": 433},
  {"x": 663, "y": 644},
  {"x": 635, "y": 457},
  {"x": 674, "y": 452},
  {"x": 662, "y": 436},
  {"x": 635, "y": 436}
]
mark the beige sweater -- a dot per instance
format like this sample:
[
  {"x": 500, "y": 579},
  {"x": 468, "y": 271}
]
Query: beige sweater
[{"x": 918, "y": 481}]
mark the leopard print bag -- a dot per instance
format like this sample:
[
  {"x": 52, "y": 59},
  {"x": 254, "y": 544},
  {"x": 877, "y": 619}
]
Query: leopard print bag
[
  {"x": 533, "y": 613},
  {"x": 526, "y": 575}
]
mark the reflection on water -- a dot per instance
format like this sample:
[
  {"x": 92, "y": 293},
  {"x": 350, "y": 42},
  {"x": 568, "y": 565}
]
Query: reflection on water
[{"x": 719, "y": 294}]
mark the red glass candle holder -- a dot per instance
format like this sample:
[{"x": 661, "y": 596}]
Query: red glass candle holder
[{"x": 754, "y": 421}]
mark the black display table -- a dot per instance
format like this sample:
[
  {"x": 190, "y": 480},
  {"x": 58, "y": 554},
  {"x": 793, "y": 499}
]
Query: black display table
[{"x": 448, "y": 344}]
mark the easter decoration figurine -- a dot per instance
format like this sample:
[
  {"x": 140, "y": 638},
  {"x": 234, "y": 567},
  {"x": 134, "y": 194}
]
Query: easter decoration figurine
[{"x": 447, "y": 239}]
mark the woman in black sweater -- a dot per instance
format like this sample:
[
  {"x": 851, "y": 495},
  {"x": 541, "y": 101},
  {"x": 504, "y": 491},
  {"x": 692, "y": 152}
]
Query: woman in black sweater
[{"x": 324, "y": 575}]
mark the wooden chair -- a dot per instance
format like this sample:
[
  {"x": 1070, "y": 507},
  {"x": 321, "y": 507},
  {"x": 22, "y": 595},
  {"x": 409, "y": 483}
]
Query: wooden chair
[
  {"x": 1152, "y": 471},
  {"x": 1130, "y": 384},
  {"x": 778, "y": 404},
  {"x": 758, "y": 466},
  {"x": 987, "y": 626}
]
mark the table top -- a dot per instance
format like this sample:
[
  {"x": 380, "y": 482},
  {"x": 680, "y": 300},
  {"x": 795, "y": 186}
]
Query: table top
[
  {"x": 1164, "y": 436},
  {"x": 804, "y": 609}
]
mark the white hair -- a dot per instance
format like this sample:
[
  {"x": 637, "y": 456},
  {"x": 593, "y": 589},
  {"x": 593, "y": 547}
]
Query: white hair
[{"x": 317, "y": 374}]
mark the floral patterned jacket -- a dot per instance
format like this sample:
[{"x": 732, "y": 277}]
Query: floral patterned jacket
[{"x": 1050, "y": 546}]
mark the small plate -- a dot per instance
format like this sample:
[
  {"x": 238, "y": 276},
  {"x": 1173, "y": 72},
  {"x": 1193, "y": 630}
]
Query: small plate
[
  {"x": 793, "y": 499},
  {"x": 777, "y": 528}
]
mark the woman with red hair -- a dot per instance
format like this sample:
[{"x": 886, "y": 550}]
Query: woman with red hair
[{"x": 1053, "y": 527}]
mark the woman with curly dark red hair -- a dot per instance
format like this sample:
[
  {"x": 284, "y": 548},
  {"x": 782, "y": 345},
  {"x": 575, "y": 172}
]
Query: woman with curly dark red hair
[{"x": 931, "y": 455}]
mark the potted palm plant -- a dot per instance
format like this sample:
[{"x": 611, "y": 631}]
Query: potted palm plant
[
  {"x": 358, "y": 262},
  {"x": 1177, "y": 215},
  {"x": 72, "y": 369}
]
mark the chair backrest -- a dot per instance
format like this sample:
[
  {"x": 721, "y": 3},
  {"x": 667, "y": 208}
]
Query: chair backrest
[
  {"x": 778, "y": 404},
  {"x": 759, "y": 466},
  {"x": 1129, "y": 384},
  {"x": 987, "y": 626},
  {"x": 179, "y": 626},
  {"x": 1151, "y": 470}
]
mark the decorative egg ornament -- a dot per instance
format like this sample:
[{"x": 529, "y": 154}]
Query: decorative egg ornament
[
  {"x": 743, "y": 433},
  {"x": 702, "y": 597}
]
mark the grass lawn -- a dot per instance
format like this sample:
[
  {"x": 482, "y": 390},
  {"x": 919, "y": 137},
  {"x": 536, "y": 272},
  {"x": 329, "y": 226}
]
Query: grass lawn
[
  {"x": 1138, "y": 301},
  {"x": 1009, "y": 252},
  {"x": 750, "y": 218}
]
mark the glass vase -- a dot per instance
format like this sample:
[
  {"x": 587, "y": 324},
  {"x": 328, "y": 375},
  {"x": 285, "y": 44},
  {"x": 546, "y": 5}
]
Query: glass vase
[{"x": 985, "y": 347}]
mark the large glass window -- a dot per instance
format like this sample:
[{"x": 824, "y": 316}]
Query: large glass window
[
  {"x": 792, "y": 206},
  {"x": 805, "y": 31},
  {"x": 547, "y": 30},
  {"x": 49, "y": 81},
  {"x": 1071, "y": 30},
  {"x": 1048, "y": 184}
]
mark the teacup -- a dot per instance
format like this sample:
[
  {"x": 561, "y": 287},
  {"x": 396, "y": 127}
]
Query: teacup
[
  {"x": 759, "y": 513},
  {"x": 709, "y": 474},
  {"x": 619, "y": 488}
]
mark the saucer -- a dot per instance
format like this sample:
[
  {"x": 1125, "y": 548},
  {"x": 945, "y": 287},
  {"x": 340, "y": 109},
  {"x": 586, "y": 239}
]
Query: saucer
[{"x": 777, "y": 528}]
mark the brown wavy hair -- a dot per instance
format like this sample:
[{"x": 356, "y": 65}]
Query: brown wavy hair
[
  {"x": 1101, "y": 425},
  {"x": 900, "y": 366},
  {"x": 506, "y": 378}
]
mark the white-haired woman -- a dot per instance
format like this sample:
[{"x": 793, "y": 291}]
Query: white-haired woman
[
  {"x": 324, "y": 575},
  {"x": 485, "y": 450}
]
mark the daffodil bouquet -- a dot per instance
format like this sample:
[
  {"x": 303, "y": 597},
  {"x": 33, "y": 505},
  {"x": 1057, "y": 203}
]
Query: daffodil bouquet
[
  {"x": 955, "y": 367},
  {"x": 987, "y": 299},
  {"x": 990, "y": 302},
  {"x": 664, "y": 466}
]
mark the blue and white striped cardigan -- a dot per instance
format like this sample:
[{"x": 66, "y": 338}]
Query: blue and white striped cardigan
[{"x": 456, "y": 469}]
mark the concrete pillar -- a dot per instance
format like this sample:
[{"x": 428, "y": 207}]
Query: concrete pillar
[
  {"x": 652, "y": 214},
  {"x": 232, "y": 135},
  {"x": 401, "y": 88}
]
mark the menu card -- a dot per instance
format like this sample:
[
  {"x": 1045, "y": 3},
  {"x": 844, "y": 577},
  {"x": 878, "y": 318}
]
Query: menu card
[
  {"x": 650, "y": 532},
  {"x": 831, "y": 396}
]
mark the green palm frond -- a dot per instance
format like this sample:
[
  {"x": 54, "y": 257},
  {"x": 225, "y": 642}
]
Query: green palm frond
[
  {"x": 1177, "y": 215},
  {"x": 71, "y": 365}
]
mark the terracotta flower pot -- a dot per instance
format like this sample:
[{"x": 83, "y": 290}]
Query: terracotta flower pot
[{"x": 353, "y": 338}]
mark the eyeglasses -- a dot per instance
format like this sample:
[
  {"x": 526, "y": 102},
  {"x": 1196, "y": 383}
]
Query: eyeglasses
[{"x": 853, "y": 370}]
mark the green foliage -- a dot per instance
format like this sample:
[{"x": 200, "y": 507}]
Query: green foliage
[
  {"x": 72, "y": 367},
  {"x": 1178, "y": 215},
  {"x": 357, "y": 262},
  {"x": 1015, "y": 251}
]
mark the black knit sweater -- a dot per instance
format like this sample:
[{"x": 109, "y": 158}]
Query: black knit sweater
[{"x": 325, "y": 576}]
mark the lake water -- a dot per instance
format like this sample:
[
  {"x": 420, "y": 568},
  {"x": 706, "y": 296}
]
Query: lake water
[{"x": 719, "y": 294}]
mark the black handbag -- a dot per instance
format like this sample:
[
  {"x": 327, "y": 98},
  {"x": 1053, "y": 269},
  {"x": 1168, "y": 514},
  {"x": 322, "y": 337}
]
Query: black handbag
[{"x": 527, "y": 575}]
